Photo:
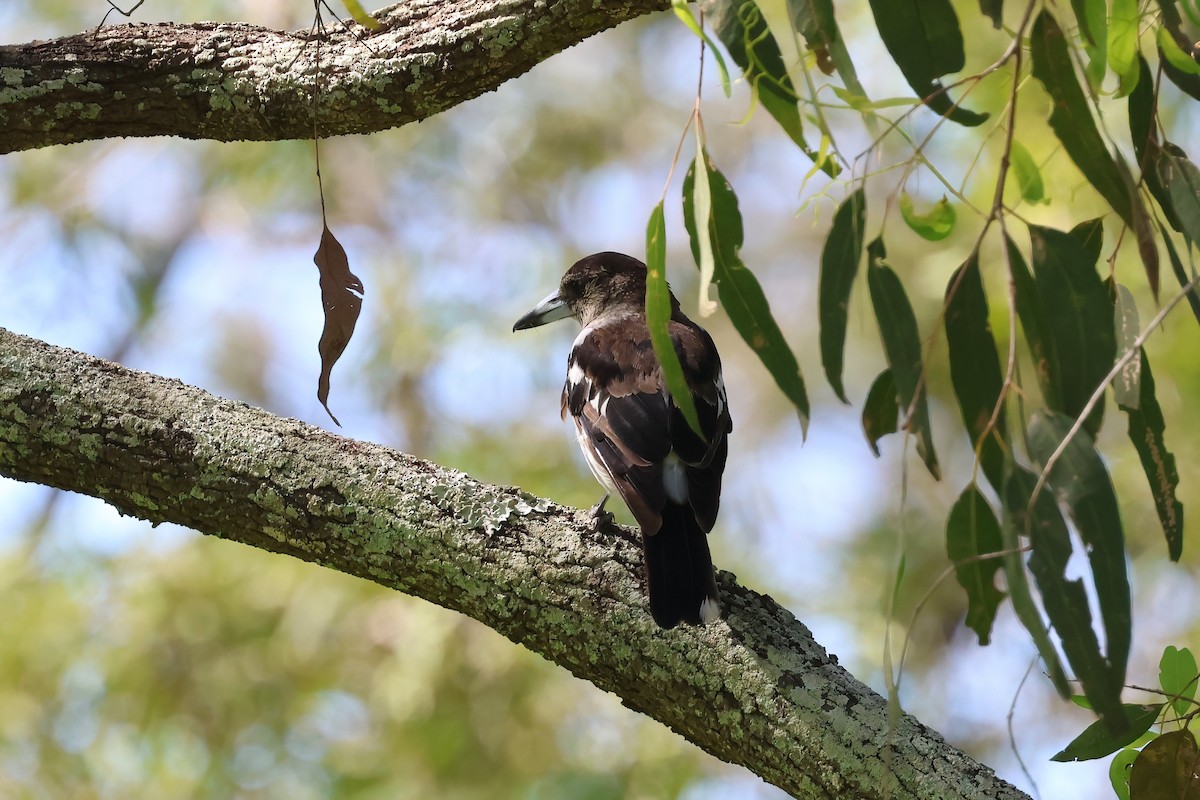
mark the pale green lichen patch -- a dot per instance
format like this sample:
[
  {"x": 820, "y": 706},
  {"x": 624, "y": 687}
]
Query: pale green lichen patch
[{"x": 13, "y": 76}]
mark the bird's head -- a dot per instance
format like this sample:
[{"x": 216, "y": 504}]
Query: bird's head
[{"x": 593, "y": 286}]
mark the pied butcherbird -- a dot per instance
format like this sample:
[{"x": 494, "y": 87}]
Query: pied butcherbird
[{"x": 634, "y": 437}]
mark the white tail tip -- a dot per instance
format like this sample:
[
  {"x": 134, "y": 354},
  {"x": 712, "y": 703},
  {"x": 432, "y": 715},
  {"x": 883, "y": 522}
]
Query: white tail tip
[{"x": 710, "y": 610}]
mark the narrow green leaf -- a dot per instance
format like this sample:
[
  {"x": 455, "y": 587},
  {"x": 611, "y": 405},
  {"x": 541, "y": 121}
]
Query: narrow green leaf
[
  {"x": 971, "y": 532},
  {"x": 1143, "y": 130},
  {"x": 1181, "y": 179},
  {"x": 1123, "y": 44},
  {"x": 1080, "y": 481},
  {"x": 993, "y": 10},
  {"x": 1081, "y": 325},
  {"x": 1127, "y": 384},
  {"x": 839, "y": 265},
  {"x": 924, "y": 40},
  {"x": 1071, "y": 118},
  {"x": 361, "y": 15},
  {"x": 902, "y": 344},
  {"x": 1142, "y": 230},
  {"x": 881, "y": 410},
  {"x": 1172, "y": 29},
  {"x": 740, "y": 26},
  {"x": 739, "y": 290},
  {"x": 685, "y": 16},
  {"x": 1092, "y": 16},
  {"x": 658, "y": 317},
  {"x": 1029, "y": 177},
  {"x": 933, "y": 225},
  {"x": 1118, "y": 772},
  {"x": 1035, "y": 326},
  {"x": 700, "y": 231},
  {"x": 1044, "y": 524},
  {"x": 1097, "y": 740},
  {"x": 1177, "y": 675},
  {"x": 1167, "y": 768},
  {"x": 975, "y": 367},
  {"x": 815, "y": 21},
  {"x": 1146, "y": 431},
  {"x": 1173, "y": 53}
]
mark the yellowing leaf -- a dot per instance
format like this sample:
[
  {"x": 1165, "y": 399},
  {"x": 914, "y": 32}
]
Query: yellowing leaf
[{"x": 935, "y": 224}]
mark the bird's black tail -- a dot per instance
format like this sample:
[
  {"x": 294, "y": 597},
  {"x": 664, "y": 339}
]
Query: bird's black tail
[{"x": 679, "y": 570}]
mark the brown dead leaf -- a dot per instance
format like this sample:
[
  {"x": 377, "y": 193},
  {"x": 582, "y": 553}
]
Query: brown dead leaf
[{"x": 341, "y": 297}]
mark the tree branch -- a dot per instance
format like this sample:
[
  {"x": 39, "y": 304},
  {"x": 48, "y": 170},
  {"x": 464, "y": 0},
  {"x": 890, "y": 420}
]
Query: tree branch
[
  {"x": 753, "y": 689},
  {"x": 235, "y": 81}
]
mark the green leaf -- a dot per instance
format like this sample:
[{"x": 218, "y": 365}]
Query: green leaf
[
  {"x": 1081, "y": 325},
  {"x": 1143, "y": 232},
  {"x": 1169, "y": 49},
  {"x": 1092, "y": 16},
  {"x": 993, "y": 10},
  {"x": 881, "y": 410},
  {"x": 361, "y": 15},
  {"x": 839, "y": 265},
  {"x": 1146, "y": 431},
  {"x": 700, "y": 235},
  {"x": 935, "y": 224},
  {"x": 1144, "y": 133},
  {"x": 1181, "y": 179},
  {"x": 658, "y": 316},
  {"x": 685, "y": 16},
  {"x": 1168, "y": 767},
  {"x": 1177, "y": 675},
  {"x": 740, "y": 291},
  {"x": 1118, "y": 772},
  {"x": 1079, "y": 480},
  {"x": 1123, "y": 44},
  {"x": 975, "y": 367},
  {"x": 1097, "y": 740},
  {"x": 1127, "y": 384},
  {"x": 1035, "y": 326},
  {"x": 1044, "y": 522},
  {"x": 902, "y": 344},
  {"x": 971, "y": 532},
  {"x": 1029, "y": 177},
  {"x": 924, "y": 40},
  {"x": 815, "y": 21},
  {"x": 740, "y": 26},
  {"x": 1071, "y": 118}
]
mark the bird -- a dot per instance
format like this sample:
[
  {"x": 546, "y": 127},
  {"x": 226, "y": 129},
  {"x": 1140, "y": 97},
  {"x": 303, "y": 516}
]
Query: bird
[{"x": 635, "y": 439}]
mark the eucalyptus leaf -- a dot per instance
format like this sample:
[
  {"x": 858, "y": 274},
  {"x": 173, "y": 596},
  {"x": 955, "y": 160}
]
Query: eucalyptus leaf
[
  {"x": 972, "y": 533},
  {"x": 881, "y": 410},
  {"x": 1097, "y": 741},
  {"x": 933, "y": 225},
  {"x": 1177, "y": 676},
  {"x": 902, "y": 344},
  {"x": 658, "y": 316},
  {"x": 839, "y": 265},
  {"x": 1146, "y": 431}
]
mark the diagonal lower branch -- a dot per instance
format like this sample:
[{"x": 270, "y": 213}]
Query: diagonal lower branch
[
  {"x": 236, "y": 81},
  {"x": 753, "y": 689}
]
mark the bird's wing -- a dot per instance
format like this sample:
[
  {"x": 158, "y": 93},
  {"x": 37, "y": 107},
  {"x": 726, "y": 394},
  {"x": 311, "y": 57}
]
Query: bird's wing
[{"x": 630, "y": 426}]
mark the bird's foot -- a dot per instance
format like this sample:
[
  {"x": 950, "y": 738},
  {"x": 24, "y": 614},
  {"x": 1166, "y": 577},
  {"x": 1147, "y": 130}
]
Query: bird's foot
[{"x": 601, "y": 519}]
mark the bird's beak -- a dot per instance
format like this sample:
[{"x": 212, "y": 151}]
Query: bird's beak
[{"x": 550, "y": 309}]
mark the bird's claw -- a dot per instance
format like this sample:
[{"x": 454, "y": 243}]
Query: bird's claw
[{"x": 601, "y": 519}]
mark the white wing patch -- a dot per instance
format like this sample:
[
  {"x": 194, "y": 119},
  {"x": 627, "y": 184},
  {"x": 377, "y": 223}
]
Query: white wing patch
[{"x": 675, "y": 479}]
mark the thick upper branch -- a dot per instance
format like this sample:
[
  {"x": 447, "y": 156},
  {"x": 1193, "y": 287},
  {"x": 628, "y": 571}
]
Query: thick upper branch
[
  {"x": 235, "y": 81},
  {"x": 752, "y": 689}
]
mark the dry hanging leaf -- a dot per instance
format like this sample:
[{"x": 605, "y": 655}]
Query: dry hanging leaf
[{"x": 341, "y": 297}]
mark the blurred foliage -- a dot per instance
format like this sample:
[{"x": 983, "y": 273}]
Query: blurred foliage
[{"x": 149, "y": 663}]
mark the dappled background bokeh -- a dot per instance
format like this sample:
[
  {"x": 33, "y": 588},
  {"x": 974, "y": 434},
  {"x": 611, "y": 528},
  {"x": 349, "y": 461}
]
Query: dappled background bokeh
[{"x": 154, "y": 662}]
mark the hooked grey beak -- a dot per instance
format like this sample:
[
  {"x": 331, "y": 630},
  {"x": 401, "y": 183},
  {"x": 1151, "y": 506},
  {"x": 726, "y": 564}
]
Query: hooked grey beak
[{"x": 551, "y": 308}]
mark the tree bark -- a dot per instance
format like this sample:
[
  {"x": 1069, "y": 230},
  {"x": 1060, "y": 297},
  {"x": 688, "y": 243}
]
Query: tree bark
[
  {"x": 229, "y": 81},
  {"x": 752, "y": 689}
]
